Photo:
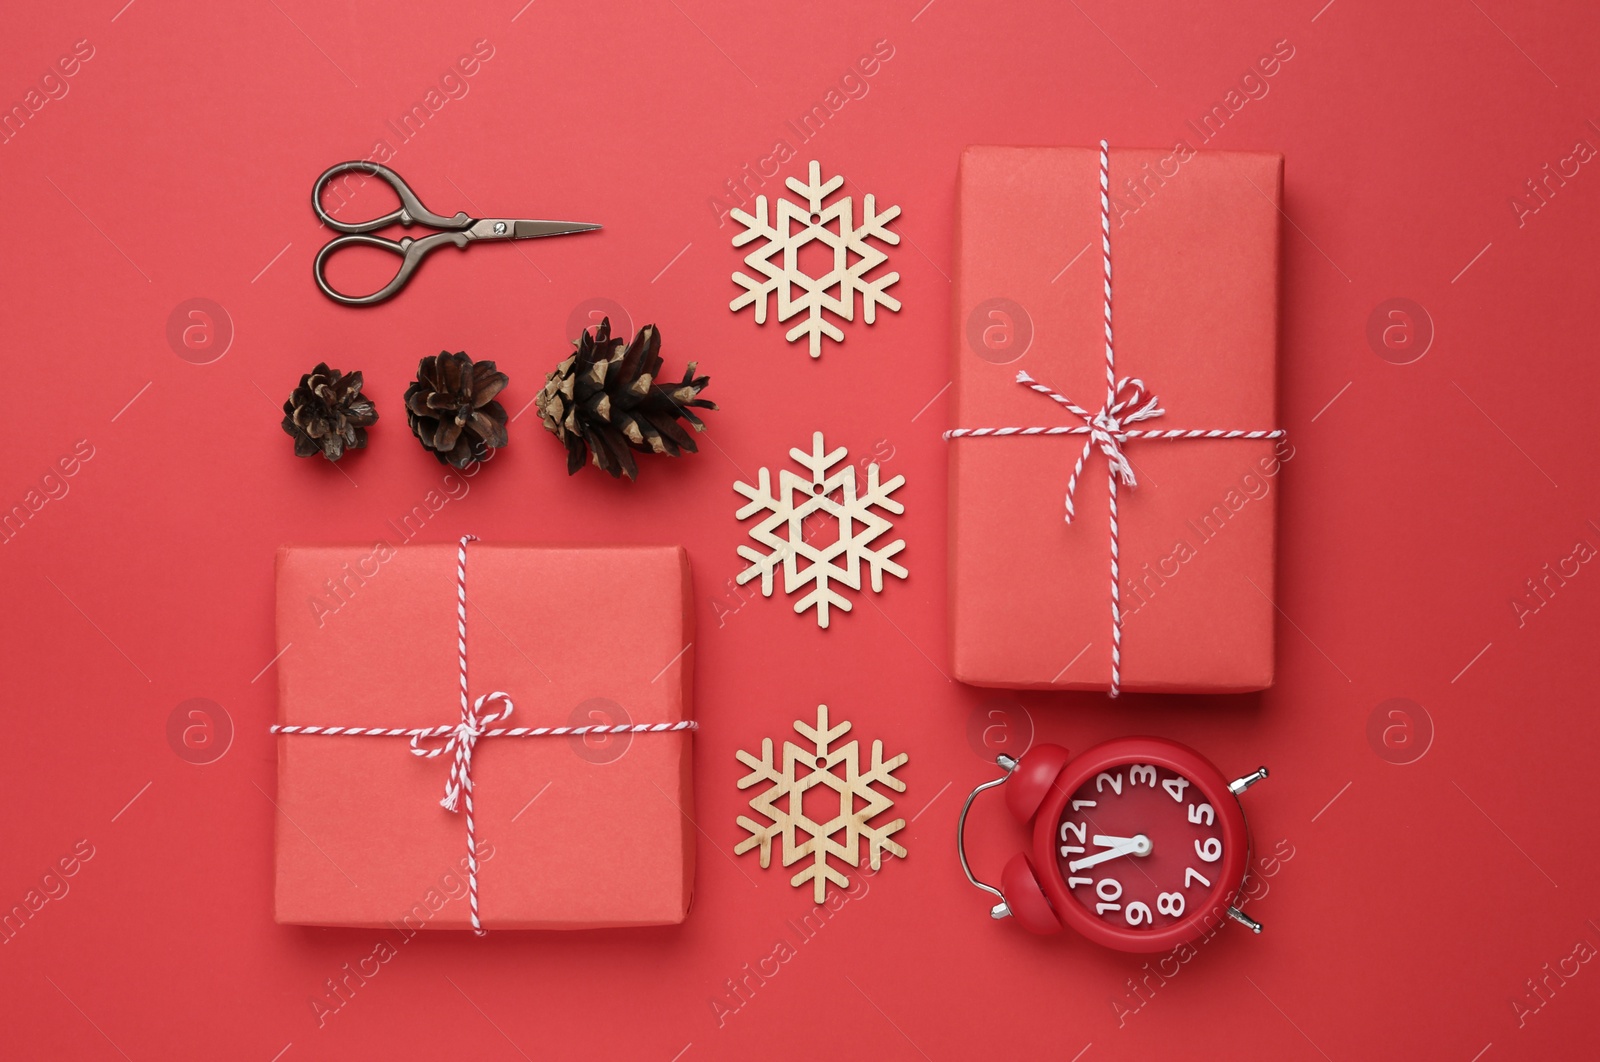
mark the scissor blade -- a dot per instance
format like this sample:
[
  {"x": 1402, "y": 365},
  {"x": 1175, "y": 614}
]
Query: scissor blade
[{"x": 527, "y": 230}]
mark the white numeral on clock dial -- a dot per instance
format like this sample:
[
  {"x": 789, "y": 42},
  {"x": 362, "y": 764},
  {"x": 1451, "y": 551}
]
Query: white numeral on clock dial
[
  {"x": 1103, "y": 777},
  {"x": 1138, "y": 914},
  {"x": 1211, "y": 851},
  {"x": 1107, "y": 895},
  {"x": 1079, "y": 805},
  {"x": 1142, "y": 772},
  {"x": 1190, "y": 875},
  {"x": 1078, "y": 830},
  {"x": 1175, "y": 787},
  {"x": 1170, "y": 903},
  {"x": 1202, "y": 814},
  {"x": 1073, "y": 883}
]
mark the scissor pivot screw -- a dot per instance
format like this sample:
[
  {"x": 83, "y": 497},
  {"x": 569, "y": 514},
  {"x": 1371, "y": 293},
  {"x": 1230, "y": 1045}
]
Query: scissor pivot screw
[{"x": 499, "y": 228}]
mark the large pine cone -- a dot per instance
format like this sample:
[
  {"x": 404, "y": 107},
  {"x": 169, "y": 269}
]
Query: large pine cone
[
  {"x": 328, "y": 414},
  {"x": 452, "y": 409},
  {"x": 603, "y": 401}
]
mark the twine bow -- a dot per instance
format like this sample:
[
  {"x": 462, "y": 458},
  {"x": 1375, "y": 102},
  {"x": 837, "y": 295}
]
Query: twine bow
[
  {"x": 463, "y": 737},
  {"x": 1127, "y": 402},
  {"x": 475, "y": 723}
]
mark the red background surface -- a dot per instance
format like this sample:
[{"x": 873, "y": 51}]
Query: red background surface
[{"x": 1419, "y": 898}]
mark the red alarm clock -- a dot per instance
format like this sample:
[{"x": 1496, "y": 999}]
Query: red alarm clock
[{"x": 1139, "y": 843}]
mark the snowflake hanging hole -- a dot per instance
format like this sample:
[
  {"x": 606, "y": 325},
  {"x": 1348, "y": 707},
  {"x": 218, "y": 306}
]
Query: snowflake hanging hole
[
  {"x": 796, "y": 226},
  {"x": 782, "y": 804},
  {"x": 789, "y": 534}
]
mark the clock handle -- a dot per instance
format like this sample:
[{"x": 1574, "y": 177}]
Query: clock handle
[
  {"x": 1000, "y": 910},
  {"x": 1019, "y": 893}
]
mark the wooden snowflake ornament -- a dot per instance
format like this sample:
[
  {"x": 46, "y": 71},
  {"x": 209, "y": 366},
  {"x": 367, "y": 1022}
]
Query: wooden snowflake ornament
[
  {"x": 801, "y": 507},
  {"x": 790, "y": 813},
  {"x": 776, "y": 259}
]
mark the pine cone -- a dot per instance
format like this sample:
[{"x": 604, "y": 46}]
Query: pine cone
[
  {"x": 328, "y": 414},
  {"x": 452, "y": 409},
  {"x": 603, "y": 400}
]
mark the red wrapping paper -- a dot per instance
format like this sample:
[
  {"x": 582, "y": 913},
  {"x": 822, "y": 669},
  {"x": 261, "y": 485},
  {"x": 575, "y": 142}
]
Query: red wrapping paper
[
  {"x": 1194, "y": 248},
  {"x": 572, "y": 635}
]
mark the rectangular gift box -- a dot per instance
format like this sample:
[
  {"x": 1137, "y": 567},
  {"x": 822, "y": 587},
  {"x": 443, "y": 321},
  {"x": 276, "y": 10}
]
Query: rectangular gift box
[
  {"x": 573, "y": 832},
  {"x": 1194, "y": 251}
]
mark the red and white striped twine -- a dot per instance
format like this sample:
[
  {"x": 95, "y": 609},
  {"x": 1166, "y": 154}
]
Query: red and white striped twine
[
  {"x": 1127, "y": 402},
  {"x": 475, "y": 724}
]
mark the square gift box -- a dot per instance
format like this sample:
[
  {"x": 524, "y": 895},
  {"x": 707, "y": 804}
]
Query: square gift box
[
  {"x": 571, "y": 831},
  {"x": 1193, "y": 304}
]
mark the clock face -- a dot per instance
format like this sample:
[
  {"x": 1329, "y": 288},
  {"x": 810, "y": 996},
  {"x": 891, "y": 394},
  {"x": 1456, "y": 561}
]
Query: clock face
[{"x": 1141, "y": 848}]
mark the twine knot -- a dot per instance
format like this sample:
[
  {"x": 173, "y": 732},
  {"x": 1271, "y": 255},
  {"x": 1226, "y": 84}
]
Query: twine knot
[
  {"x": 1129, "y": 404},
  {"x": 461, "y": 740}
]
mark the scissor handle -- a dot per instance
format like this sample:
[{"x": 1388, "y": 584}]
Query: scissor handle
[
  {"x": 411, "y": 252},
  {"x": 411, "y": 209}
]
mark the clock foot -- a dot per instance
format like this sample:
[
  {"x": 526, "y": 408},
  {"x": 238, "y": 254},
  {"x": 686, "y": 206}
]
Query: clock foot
[
  {"x": 1239, "y": 785},
  {"x": 1244, "y": 919}
]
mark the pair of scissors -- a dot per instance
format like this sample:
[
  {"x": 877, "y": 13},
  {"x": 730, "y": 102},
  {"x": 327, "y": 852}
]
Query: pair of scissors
[{"x": 459, "y": 230}]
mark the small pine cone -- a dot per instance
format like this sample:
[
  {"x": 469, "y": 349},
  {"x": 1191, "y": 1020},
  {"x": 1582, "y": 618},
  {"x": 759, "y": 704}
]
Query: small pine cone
[
  {"x": 452, "y": 410},
  {"x": 328, "y": 414},
  {"x": 603, "y": 401}
]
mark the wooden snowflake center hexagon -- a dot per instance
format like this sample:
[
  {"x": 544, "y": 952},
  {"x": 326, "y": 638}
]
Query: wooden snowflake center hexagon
[
  {"x": 784, "y": 805},
  {"x": 803, "y": 229},
  {"x": 821, "y": 529}
]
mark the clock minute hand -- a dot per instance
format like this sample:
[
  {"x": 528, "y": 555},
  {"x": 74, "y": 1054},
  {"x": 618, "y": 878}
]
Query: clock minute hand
[{"x": 1138, "y": 844}]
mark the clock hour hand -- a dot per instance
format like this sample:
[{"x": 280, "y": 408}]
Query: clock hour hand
[{"x": 1115, "y": 848}]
